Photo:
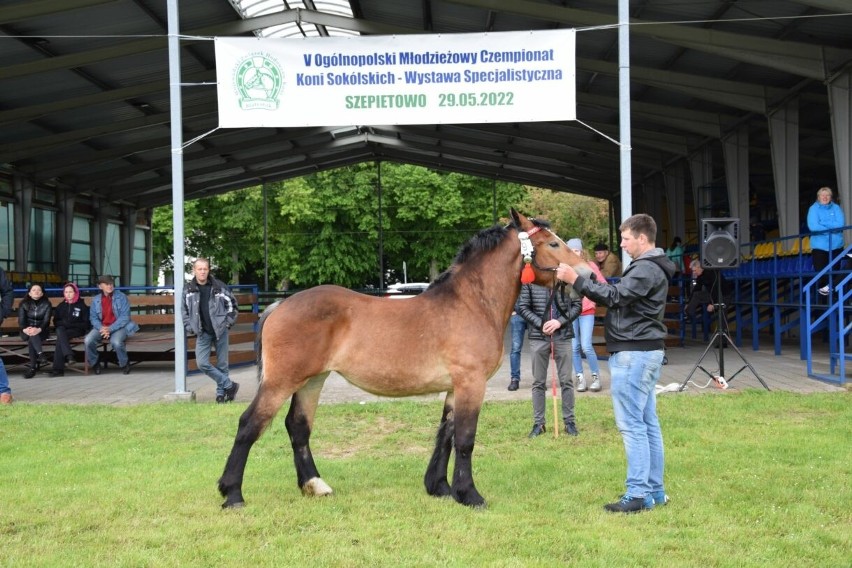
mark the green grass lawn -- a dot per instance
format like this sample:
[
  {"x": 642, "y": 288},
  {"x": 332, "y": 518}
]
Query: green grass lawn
[{"x": 756, "y": 479}]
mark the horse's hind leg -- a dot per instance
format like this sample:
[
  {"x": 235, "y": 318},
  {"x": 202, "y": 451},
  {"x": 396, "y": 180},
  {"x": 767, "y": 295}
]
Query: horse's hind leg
[
  {"x": 436, "y": 473},
  {"x": 252, "y": 424},
  {"x": 299, "y": 422}
]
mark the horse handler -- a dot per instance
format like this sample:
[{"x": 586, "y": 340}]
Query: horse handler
[
  {"x": 550, "y": 333},
  {"x": 209, "y": 311},
  {"x": 635, "y": 338}
]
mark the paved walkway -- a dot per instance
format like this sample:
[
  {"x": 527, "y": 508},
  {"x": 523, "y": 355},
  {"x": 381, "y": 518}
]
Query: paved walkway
[{"x": 154, "y": 382}]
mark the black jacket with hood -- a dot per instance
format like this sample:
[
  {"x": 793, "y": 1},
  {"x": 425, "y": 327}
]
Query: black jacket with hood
[{"x": 635, "y": 304}]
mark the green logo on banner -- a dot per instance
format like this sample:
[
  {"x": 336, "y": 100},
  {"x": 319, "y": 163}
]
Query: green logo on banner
[{"x": 258, "y": 80}]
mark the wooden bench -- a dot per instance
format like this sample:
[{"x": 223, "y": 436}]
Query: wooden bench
[{"x": 155, "y": 340}]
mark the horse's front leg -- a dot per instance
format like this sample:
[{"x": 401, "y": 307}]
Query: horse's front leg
[
  {"x": 299, "y": 422},
  {"x": 466, "y": 417},
  {"x": 436, "y": 473}
]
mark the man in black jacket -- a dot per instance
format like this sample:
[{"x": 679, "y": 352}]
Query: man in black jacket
[
  {"x": 550, "y": 332},
  {"x": 635, "y": 337}
]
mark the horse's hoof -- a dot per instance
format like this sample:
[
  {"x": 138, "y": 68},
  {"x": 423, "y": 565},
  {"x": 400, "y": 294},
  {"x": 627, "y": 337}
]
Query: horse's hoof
[
  {"x": 316, "y": 487},
  {"x": 440, "y": 490},
  {"x": 237, "y": 505}
]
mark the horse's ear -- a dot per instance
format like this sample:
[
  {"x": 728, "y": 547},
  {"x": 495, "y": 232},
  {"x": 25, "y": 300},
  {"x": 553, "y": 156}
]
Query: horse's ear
[{"x": 516, "y": 217}]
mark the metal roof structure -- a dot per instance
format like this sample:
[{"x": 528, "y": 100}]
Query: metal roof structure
[{"x": 84, "y": 103}]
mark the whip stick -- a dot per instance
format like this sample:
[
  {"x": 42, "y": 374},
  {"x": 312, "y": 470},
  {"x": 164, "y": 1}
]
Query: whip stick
[{"x": 553, "y": 382}]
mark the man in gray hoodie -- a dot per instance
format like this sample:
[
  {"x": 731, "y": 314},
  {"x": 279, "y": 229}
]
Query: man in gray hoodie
[{"x": 635, "y": 337}]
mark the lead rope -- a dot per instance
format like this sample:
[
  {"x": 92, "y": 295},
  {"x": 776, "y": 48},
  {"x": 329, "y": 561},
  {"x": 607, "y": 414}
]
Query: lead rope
[{"x": 553, "y": 380}]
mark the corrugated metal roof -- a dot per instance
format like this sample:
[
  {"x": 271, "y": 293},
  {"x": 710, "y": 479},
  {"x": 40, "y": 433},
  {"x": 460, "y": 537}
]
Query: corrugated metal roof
[{"x": 85, "y": 97}]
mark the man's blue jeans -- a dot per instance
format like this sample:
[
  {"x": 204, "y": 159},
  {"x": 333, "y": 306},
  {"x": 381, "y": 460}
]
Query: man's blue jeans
[
  {"x": 519, "y": 327},
  {"x": 634, "y": 375},
  {"x": 584, "y": 327},
  {"x": 117, "y": 339},
  {"x": 219, "y": 372}
]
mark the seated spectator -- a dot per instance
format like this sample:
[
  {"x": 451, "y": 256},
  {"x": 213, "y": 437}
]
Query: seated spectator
[
  {"x": 71, "y": 319},
  {"x": 704, "y": 289},
  {"x": 609, "y": 263},
  {"x": 110, "y": 317},
  {"x": 675, "y": 254},
  {"x": 34, "y": 319}
]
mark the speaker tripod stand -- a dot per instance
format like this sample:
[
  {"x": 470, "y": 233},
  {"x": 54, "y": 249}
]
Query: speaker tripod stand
[{"x": 719, "y": 339}]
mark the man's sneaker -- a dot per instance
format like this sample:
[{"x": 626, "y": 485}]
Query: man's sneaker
[
  {"x": 126, "y": 369},
  {"x": 514, "y": 384},
  {"x": 571, "y": 429},
  {"x": 30, "y": 373},
  {"x": 824, "y": 290},
  {"x": 596, "y": 384},
  {"x": 660, "y": 498},
  {"x": 70, "y": 361},
  {"x": 6, "y": 398},
  {"x": 56, "y": 373},
  {"x": 581, "y": 383},
  {"x": 537, "y": 430},
  {"x": 220, "y": 399},
  {"x": 626, "y": 505},
  {"x": 231, "y": 391},
  {"x": 97, "y": 368}
]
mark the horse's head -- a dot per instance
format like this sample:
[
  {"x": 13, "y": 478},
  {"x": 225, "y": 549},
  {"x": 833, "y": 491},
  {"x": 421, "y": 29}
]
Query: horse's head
[{"x": 542, "y": 250}]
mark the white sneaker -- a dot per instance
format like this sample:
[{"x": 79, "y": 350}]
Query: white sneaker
[
  {"x": 581, "y": 383},
  {"x": 824, "y": 290},
  {"x": 596, "y": 384}
]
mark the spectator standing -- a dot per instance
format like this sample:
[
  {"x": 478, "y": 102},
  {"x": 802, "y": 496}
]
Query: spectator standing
[
  {"x": 518, "y": 325},
  {"x": 824, "y": 215},
  {"x": 584, "y": 327},
  {"x": 675, "y": 254},
  {"x": 550, "y": 332},
  {"x": 70, "y": 319},
  {"x": 110, "y": 319},
  {"x": 7, "y": 298},
  {"x": 609, "y": 264},
  {"x": 34, "y": 318},
  {"x": 209, "y": 311},
  {"x": 635, "y": 337}
]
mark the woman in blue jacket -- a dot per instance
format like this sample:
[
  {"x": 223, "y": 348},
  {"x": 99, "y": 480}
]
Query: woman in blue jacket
[{"x": 824, "y": 215}]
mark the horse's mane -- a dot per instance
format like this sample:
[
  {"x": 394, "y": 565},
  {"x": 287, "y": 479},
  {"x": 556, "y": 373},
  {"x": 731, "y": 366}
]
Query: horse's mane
[{"x": 485, "y": 240}]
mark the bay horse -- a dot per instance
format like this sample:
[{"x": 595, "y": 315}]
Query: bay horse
[{"x": 447, "y": 339}]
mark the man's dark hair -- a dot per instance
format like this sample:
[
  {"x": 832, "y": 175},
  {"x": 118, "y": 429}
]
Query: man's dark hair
[{"x": 641, "y": 224}]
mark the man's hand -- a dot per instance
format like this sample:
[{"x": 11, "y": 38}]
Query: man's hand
[
  {"x": 550, "y": 326},
  {"x": 566, "y": 273}
]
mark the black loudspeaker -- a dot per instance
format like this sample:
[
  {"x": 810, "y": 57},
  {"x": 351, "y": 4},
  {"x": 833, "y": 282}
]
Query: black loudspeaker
[{"x": 720, "y": 243}]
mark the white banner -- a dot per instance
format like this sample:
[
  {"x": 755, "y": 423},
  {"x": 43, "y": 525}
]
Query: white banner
[{"x": 412, "y": 79}]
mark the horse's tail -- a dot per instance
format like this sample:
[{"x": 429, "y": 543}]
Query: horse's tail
[{"x": 258, "y": 342}]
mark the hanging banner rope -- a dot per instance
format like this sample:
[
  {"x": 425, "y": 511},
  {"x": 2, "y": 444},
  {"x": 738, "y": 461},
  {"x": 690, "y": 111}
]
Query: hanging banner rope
[{"x": 413, "y": 79}]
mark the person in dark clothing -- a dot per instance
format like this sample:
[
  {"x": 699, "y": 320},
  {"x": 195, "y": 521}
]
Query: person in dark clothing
[
  {"x": 34, "y": 319},
  {"x": 209, "y": 311},
  {"x": 7, "y": 297},
  {"x": 704, "y": 289},
  {"x": 70, "y": 319},
  {"x": 550, "y": 331},
  {"x": 636, "y": 339}
]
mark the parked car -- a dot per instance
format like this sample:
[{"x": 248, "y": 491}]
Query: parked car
[{"x": 407, "y": 290}]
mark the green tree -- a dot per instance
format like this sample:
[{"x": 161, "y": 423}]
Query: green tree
[{"x": 326, "y": 227}]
